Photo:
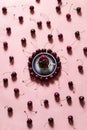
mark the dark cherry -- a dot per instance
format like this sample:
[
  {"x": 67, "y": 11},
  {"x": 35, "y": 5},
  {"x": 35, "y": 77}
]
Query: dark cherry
[
  {"x": 77, "y": 35},
  {"x": 5, "y": 82},
  {"x": 48, "y": 23},
  {"x": 85, "y": 51},
  {"x": 60, "y": 37},
  {"x": 82, "y": 100},
  {"x": 16, "y": 92},
  {"x": 58, "y": 9},
  {"x": 57, "y": 96},
  {"x": 38, "y": 51},
  {"x": 21, "y": 19},
  {"x": 68, "y": 17},
  {"x": 59, "y": 1},
  {"x": 51, "y": 121},
  {"x": 69, "y": 100},
  {"x": 8, "y": 30},
  {"x": 39, "y": 24},
  {"x": 80, "y": 69},
  {"x": 58, "y": 58},
  {"x": 46, "y": 103},
  {"x": 4, "y": 10},
  {"x": 49, "y": 51},
  {"x": 31, "y": 9},
  {"x": 69, "y": 50},
  {"x": 10, "y": 111},
  {"x": 30, "y": 59},
  {"x": 11, "y": 60},
  {"x": 23, "y": 42},
  {"x": 50, "y": 37},
  {"x": 38, "y": 1},
  {"x": 70, "y": 120},
  {"x": 29, "y": 64},
  {"x": 78, "y": 9},
  {"x": 33, "y": 33},
  {"x": 58, "y": 64},
  {"x": 30, "y": 105},
  {"x": 43, "y": 50},
  {"x": 29, "y": 122},
  {"x": 14, "y": 76},
  {"x": 5, "y": 45},
  {"x": 70, "y": 84}
]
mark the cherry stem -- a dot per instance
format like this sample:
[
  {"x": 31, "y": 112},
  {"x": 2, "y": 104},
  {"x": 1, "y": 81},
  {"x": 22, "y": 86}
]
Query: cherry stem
[
  {"x": 80, "y": 61},
  {"x": 26, "y": 114},
  {"x": 70, "y": 7},
  {"x": 65, "y": 72}
]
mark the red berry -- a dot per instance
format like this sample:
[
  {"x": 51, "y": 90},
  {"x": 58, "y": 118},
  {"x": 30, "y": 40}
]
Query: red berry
[
  {"x": 21, "y": 20},
  {"x": 32, "y": 9},
  {"x": 68, "y": 17},
  {"x": 70, "y": 120},
  {"x": 5, "y": 45},
  {"x": 8, "y": 30},
  {"x": 29, "y": 122},
  {"x": 14, "y": 76},
  {"x": 51, "y": 121},
  {"x": 23, "y": 42},
  {"x": 5, "y": 82},
  {"x": 4, "y": 10}
]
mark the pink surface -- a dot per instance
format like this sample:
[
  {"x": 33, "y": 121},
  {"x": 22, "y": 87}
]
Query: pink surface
[{"x": 32, "y": 91}]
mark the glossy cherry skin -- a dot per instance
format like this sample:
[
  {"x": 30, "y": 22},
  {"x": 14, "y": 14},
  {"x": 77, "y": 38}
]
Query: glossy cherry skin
[
  {"x": 30, "y": 105},
  {"x": 70, "y": 84},
  {"x": 11, "y": 60},
  {"x": 38, "y": 1},
  {"x": 70, "y": 120},
  {"x": 16, "y": 92},
  {"x": 10, "y": 111},
  {"x": 23, "y": 42},
  {"x": 8, "y": 30},
  {"x": 21, "y": 19},
  {"x": 50, "y": 37},
  {"x": 57, "y": 96},
  {"x": 82, "y": 100},
  {"x": 39, "y": 24},
  {"x": 33, "y": 33},
  {"x": 49, "y": 51},
  {"x": 85, "y": 51},
  {"x": 58, "y": 9},
  {"x": 48, "y": 23},
  {"x": 31, "y": 9},
  {"x": 69, "y": 100},
  {"x": 69, "y": 50},
  {"x": 59, "y": 1},
  {"x": 78, "y": 9},
  {"x": 46, "y": 103},
  {"x": 4, "y": 10},
  {"x": 60, "y": 37},
  {"x": 51, "y": 121},
  {"x": 80, "y": 69},
  {"x": 5, "y": 82},
  {"x": 5, "y": 46},
  {"x": 14, "y": 76},
  {"x": 68, "y": 17},
  {"x": 77, "y": 35},
  {"x": 29, "y": 122}
]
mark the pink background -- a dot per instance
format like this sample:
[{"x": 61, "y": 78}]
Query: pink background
[{"x": 33, "y": 91}]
